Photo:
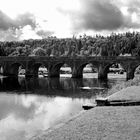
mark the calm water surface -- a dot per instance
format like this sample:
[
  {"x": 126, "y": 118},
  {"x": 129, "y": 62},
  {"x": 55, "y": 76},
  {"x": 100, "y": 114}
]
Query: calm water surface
[{"x": 28, "y": 107}]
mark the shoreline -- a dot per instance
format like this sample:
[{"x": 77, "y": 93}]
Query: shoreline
[
  {"x": 99, "y": 123},
  {"x": 123, "y": 120},
  {"x": 60, "y": 125}
]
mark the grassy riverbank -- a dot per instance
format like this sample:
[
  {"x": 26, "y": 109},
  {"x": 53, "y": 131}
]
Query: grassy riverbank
[
  {"x": 103, "y": 123},
  {"x": 100, "y": 123},
  {"x": 118, "y": 87}
]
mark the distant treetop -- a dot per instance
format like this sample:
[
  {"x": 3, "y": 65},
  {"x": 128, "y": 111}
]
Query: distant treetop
[{"x": 113, "y": 45}]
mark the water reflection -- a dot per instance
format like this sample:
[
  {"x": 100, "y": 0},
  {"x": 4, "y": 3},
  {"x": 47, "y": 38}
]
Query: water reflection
[
  {"x": 28, "y": 106},
  {"x": 54, "y": 86},
  {"x": 24, "y": 116}
]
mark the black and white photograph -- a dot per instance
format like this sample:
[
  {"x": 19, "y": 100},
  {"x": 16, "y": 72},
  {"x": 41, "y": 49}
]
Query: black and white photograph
[{"x": 70, "y": 70}]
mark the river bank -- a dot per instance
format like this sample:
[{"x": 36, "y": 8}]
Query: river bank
[
  {"x": 103, "y": 123},
  {"x": 100, "y": 123}
]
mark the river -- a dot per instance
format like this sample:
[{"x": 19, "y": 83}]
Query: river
[{"x": 27, "y": 107}]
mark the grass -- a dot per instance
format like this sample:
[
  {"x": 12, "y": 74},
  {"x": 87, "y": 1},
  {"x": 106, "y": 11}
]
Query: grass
[{"x": 118, "y": 87}]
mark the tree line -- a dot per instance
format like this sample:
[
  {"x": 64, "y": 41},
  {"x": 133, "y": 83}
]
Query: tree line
[{"x": 112, "y": 45}]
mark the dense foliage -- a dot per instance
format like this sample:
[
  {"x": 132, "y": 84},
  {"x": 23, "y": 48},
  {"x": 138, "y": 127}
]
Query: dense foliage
[{"x": 113, "y": 45}]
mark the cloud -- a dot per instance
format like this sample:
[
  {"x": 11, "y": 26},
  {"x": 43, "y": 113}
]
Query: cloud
[
  {"x": 24, "y": 26},
  {"x": 27, "y": 32},
  {"x": 9, "y": 35},
  {"x": 22, "y": 20},
  {"x": 99, "y": 15},
  {"x": 45, "y": 34},
  {"x": 5, "y": 21},
  {"x": 89, "y": 16},
  {"x": 13, "y": 29},
  {"x": 26, "y": 19}
]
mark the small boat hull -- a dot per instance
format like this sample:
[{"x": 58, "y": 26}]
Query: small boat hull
[
  {"x": 102, "y": 102},
  {"x": 87, "y": 107}
]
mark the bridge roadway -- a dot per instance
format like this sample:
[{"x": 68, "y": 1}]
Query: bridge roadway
[{"x": 53, "y": 64}]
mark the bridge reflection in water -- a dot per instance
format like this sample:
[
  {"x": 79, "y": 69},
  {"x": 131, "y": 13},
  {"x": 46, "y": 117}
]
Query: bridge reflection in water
[{"x": 66, "y": 87}]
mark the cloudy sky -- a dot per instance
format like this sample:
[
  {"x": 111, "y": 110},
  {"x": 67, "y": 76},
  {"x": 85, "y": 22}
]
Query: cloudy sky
[{"x": 36, "y": 19}]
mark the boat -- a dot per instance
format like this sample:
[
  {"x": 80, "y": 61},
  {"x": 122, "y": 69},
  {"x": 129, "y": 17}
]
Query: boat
[
  {"x": 88, "y": 106},
  {"x": 102, "y": 102}
]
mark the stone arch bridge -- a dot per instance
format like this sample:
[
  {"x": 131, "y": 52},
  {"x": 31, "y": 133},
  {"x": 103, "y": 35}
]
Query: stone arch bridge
[{"x": 53, "y": 64}]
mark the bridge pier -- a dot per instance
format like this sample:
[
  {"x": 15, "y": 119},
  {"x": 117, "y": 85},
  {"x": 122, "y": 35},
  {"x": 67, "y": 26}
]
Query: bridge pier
[
  {"x": 53, "y": 73},
  {"x": 30, "y": 73},
  {"x": 77, "y": 73},
  {"x": 102, "y": 73},
  {"x": 130, "y": 74},
  {"x": 8, "y": 72}
]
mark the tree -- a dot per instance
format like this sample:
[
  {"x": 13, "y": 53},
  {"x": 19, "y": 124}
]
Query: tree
[{"x": 39, "y": 52}]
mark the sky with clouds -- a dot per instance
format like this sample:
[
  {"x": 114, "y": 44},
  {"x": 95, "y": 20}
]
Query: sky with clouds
[{"x": 36, "y": 19}]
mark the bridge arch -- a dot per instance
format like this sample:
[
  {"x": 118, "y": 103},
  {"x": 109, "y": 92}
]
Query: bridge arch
[
  {"x": 114, "y": 68},
  {"x": 136, "y": 70},
  {"x": 56, "y": 69},
  {"x": 38, "y": 68},
  {"x": 65, "y": 70},
  {"x": 15, "y": 68},
  {"x": 80, "y": 69},
  {"x": 90, "y": 68},
  {"x": 1, "y": 69},
  {"x": 131, "y": 69}
]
